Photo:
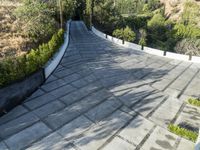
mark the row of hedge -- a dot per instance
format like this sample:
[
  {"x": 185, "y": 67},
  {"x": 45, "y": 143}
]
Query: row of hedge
[{"x": 13, "y": 69}]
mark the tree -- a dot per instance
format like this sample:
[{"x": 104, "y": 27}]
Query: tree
[
  {"x": 143, "y": 35},
  {"x": 36, "y": 20},
  {"x": 61, "y": 13},
  {"x": 90, "y": 10}
]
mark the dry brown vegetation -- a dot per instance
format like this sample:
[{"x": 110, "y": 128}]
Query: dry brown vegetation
[
  {"x": 12, "y": 43},
  {"x": 174, "y": 8}
]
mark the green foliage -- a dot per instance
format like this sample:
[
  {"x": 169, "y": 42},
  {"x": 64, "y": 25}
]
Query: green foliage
[
  {"x": 186, "y": 31},
  {"x": 157, "y": 22},
  {"x": 12, "y": 69},
  {"x": 125, "y": 34},
  {"x": 190, "y": 135},
  {"x": 154, "y": 4},
  {"x": 143, "y": 36},
  {"x": 194, "y": 101},
  {"x": 107, "y": 16},
  {"x": 157, "y": 31},
  {"x": 191, "y": 13},
  {"x": 138, "y": 21},
  {"x": 36, "y": 20}
]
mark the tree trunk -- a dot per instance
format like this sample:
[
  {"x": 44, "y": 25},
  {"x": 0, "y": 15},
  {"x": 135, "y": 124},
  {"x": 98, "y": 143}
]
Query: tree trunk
[{"x": 61, "y": 14}]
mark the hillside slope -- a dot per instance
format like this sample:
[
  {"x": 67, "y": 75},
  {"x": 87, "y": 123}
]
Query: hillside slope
[
  {"x": 12, "y": 43},
  {"x": 174, "y": 8}
]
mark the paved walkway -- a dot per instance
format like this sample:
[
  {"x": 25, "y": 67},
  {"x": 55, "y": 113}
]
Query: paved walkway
[{"x": 103, "y": 96}]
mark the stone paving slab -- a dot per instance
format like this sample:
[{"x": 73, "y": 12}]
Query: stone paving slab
[
  {"x": 131, "y": 98},
  {"x": 17, "y": 124},
  {"x": 64, "y": 90},
  {"x": 48, "y": 109},
  {"x": 193, "y": 89},
  {"x": 190, "y": 116},
  {"x": 137, "y": 130},
  {"x": 166, "y": 112},
  {"x": 3, "y": 146},
  {"x": 51, "y": 78},
  {"x": 39, "y": 101},
  {"x": 99, "y": 134},
  {"x": 27, "y": 136},
  {"x": 53, "y": 85},
  {"x": 16, "y": 112},
  {"x": 53, "y": 141},
  {"x": 160, "y": 139},
  {"x": 80, "y": 93},
  {"x": 148, "y": 104},
  {"x": 104, "y": 109},
  {"x": 162, "y": 84},
  {"x": 62, "y": 117},
  {"x": 79, "y": 83},
  {"x": 91, "y": 101},
  {"x": 119, "y": 144},
  {"x": 185, "y": 145},
  {"x": 75, "y": 128},
  {"x": 37, "y": 93}
]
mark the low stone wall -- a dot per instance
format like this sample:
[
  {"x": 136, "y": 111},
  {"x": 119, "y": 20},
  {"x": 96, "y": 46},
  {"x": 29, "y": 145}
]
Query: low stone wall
[
  {"x": 148, "y": 50},
  {"x": 54, "y": 62},
  {"x": 16, "y": 93}
]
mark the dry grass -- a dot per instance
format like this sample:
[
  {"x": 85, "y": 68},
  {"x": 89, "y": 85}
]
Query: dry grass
[
  {"x": 12, "y": 43},
  {"x": 174, "y": 8}
]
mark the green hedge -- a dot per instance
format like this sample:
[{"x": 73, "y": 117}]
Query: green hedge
[{"x": 12, "y": 69}]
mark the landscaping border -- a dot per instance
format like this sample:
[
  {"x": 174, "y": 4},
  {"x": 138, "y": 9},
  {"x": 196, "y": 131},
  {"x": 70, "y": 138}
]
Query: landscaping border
[
  {"x": 157, "y": 52},
  {"x": 14, "y": 94}
]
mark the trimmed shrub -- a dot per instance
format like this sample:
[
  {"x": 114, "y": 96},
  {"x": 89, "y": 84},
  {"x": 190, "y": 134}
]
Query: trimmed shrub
[{"x": 12, "y": 69}]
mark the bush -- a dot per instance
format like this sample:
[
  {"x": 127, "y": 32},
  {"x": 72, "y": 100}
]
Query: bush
[
  {"x": 12, "y": 69},
  {"x": 157, "y": 22},
  {"x": 190, "y": 135},
  {"x": 125, "y": 34}
]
